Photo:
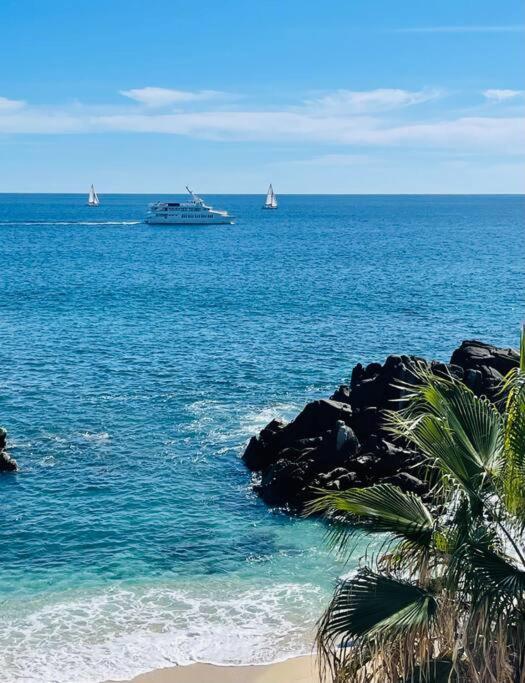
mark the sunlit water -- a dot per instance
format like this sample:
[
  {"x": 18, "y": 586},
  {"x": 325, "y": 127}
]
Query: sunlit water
[{"x": 137, "y": 360}]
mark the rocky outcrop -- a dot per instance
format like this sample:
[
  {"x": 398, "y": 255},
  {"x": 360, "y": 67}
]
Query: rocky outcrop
[
  {"x": 484, "y": 366},
  {"x": 341, "y": 442},
  {"x": 7, "y": 464}
]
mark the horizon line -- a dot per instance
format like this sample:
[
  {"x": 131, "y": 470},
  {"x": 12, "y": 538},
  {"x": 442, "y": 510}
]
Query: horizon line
[{"x": 288, "y": 194}]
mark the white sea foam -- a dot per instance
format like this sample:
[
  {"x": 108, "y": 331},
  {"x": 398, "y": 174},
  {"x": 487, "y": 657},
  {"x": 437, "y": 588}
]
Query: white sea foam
[
  {"x": 239, "y": 425},
  {"x": 95, "y": 436},
  {"x": 120, "y": 632},
  {"x": 255, "y": 420}
]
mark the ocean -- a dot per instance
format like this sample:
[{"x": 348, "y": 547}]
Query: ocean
[{"x": 136, "y": 362}]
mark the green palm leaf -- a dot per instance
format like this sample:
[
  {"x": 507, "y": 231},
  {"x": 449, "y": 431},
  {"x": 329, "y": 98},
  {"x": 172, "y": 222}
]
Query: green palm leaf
[
  {"x": 467, "y": 555},
  {"x": 376, "y": 606},
  {"x": 514, "y": 470},
  {"x": 382, "y": 508},
  {"x": 494, "y": 579},
  {"x": 460, "y": 433}
]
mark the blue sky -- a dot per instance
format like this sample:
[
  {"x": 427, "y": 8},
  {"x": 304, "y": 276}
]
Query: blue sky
[{"x": 227, "y": 95}]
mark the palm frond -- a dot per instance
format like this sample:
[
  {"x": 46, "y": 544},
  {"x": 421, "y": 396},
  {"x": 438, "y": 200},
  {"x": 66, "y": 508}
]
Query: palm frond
[
  {"x": 382, "y": 508},
  {"x": 431, "y": 436},
  {"x": 444, "y": 599},
  {"x": 376, "y": 606},
  {"x": 514, "y": 470},
  {"x": 494, "y": 579},
  {"x": 369, "y": 619},
  {"x": 460, "y": 434}
]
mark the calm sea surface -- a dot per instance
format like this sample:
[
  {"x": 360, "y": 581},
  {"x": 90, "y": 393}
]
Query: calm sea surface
[{"x": 137, "y": 360}]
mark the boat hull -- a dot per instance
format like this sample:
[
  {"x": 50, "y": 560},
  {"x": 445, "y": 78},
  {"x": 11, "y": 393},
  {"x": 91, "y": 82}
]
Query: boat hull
[{"x": 171, "y": 221}]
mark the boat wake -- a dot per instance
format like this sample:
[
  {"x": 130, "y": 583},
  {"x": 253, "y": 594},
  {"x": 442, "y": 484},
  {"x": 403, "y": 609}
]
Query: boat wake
[{"x": 69, "y": 223}]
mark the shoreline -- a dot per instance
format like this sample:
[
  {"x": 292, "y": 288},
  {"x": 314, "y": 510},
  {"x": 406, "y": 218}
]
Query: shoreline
[{"x": 295, "y": 670}]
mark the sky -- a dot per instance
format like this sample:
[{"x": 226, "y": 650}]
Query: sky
[{"x": 339, "y": 96}]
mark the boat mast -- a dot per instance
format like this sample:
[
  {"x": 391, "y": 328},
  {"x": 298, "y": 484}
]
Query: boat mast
[{"x": 93, "y": 199}]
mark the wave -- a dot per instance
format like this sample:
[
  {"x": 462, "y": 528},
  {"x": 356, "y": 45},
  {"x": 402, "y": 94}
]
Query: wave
[
  {"x": 35, "y": 222},
  {"x": 95, "y": 436},
  {"x": 122, "y": 632},
  {"x": 219, "y": 423}
]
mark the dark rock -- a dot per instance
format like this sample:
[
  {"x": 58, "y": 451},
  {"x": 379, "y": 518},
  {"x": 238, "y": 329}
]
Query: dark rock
[
  {"x": 7, "y": 464},
  {"x": 334, "y": 474},
  {"x": 348, "y": 481},
  {"x": 313, "y": 423},
  {"x": 342, "y": 394},
  {"x": 343, "y": 442},
  {"x": 455, "y": 371},
  {"x": 473, "y": 354},
  {"x": 336, "y": 449},
  {"x": 365, "y": 464},
  {"x": 316, "y": 418},
  {"x": 492, "y": 382},
  {"x": 312, "y": 442},
  {"x": 366, "y": 422},
  {"x": 283, "y": 482},
  {"x": 473, "y": 380},
  {"x": 368, "y": 392},
  {"x": 407, "y": 482},
  {"x": 373, "y": 369},
  {"x": 358, "y": 374},
  {"x": 259, "y": 454},
  {"x": 447, "y": 370}
]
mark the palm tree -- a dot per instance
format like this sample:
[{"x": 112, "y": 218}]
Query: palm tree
[{"x": 444, "y": 598}]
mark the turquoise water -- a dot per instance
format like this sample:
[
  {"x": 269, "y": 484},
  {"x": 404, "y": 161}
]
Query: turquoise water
[{"x": 136, "y": 362}]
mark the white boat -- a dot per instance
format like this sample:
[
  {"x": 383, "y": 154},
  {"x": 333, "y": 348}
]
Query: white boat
[
  {"x": 93, "y": 199},
  {"x": 271, "y": 199},
  {"x": 192, "y": 212}
]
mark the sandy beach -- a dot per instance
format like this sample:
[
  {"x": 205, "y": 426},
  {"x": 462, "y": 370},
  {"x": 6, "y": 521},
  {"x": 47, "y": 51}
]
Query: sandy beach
[{"x": 297, "y": 670}]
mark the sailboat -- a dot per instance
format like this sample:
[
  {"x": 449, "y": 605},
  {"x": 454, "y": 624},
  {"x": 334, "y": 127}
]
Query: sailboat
[
  {"x": 93, "y": 199},
  {"x": 271, "y": 199}
]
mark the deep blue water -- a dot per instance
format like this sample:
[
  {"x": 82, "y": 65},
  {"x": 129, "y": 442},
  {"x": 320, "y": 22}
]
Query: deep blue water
[{"x": 136, "y": 361}]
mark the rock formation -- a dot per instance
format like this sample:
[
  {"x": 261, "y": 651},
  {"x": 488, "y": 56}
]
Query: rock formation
[
  {"x": 7, "y": 464},
  {"x": 339, "y": 443}
]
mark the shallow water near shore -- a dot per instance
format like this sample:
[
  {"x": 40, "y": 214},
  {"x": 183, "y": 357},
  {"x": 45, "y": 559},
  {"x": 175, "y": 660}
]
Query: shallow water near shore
[{"x": 136, "y": 362}]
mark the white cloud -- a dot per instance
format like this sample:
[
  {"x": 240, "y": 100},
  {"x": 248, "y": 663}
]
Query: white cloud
[
  {"x": 500, "y": 95},
  {"x": 10, "y": 105},
  {"x": 335, "y": 118},
  {"x": 381, "y": 99},
  {"x": 332, "y": 160},
  {"x": 162, "y": 97}
]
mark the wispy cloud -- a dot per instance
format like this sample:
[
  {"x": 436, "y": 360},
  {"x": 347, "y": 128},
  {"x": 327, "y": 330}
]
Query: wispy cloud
[
  {"x": 162, "y": 97},
  {"x": 380, "y": 99},
  {"x": 10, "y": 105},
  {"x": 347, "y": 118},
  {"x": 502, "y": 95},
  {"x": 509, "y": 28},
  {"x": 331, "y": 160}
]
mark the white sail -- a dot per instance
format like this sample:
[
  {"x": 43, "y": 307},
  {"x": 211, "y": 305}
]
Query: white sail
[
  {"x": 271, "y": 199},
  {"x": 93, "y": 199}
]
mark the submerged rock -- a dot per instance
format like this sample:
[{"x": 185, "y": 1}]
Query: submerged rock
[{"x": 341, "y": 442}]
